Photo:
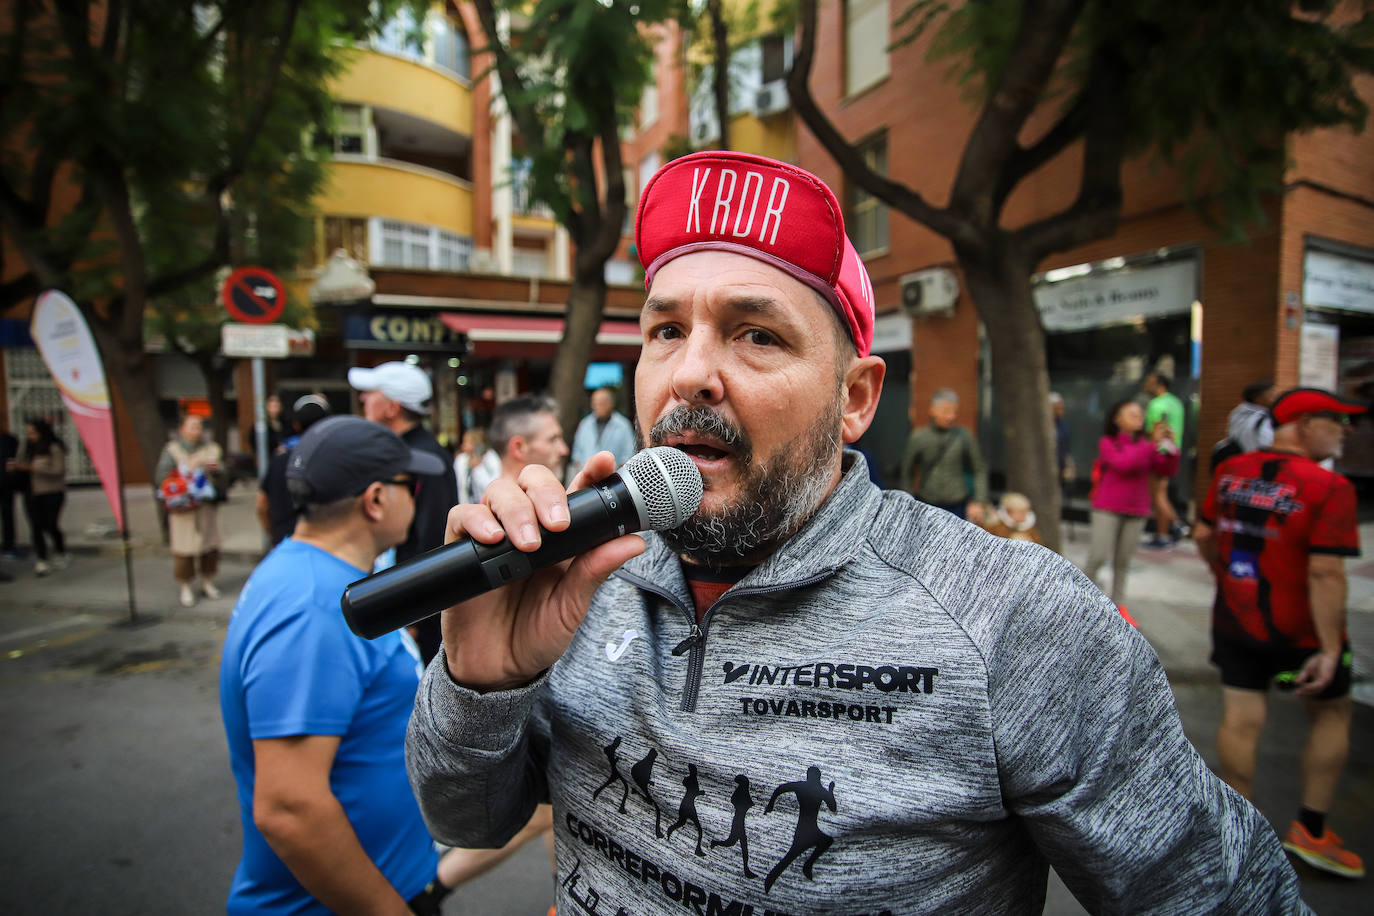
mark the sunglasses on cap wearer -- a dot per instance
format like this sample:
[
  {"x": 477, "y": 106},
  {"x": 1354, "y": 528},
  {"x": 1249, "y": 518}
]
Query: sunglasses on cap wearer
[
  {"x": 411, "y": 484},
  {"x": 1341, "y": 418}
]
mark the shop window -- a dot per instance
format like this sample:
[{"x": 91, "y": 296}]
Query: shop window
[
  {"x": 865, "y": 44},
  {"x": 866, "y": 216}
]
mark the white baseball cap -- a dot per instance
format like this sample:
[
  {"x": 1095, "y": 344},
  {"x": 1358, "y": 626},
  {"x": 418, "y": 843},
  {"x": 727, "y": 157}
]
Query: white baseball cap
[{"x": 403, "y": 383}]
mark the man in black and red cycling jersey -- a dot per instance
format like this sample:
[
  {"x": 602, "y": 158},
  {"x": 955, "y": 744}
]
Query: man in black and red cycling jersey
[{"x": 1275, "y": 529}]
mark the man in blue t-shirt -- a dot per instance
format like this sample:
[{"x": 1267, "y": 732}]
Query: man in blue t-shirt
[{"x": 316, "y": 716}]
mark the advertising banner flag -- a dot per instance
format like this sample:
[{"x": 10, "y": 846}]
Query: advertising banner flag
[{"x": 69, "y": 350}]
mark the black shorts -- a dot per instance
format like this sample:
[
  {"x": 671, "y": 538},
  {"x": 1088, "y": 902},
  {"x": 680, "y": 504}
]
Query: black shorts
[{"x": 1249, "y": 666}]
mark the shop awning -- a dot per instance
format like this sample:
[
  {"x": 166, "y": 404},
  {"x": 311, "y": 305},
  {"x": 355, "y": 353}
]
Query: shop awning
[{"x": 534, "y": 329}]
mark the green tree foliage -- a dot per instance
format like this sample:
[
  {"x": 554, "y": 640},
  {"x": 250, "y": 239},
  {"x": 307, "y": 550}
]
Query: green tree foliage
[
  {"x": 571, "y": 74},
  {"x": 1213, "y": 89},
  {"x": 141, "y": 136}
]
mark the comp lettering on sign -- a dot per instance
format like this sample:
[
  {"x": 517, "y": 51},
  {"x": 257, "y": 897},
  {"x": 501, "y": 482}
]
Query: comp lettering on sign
[{"x": 401, "y": 330}]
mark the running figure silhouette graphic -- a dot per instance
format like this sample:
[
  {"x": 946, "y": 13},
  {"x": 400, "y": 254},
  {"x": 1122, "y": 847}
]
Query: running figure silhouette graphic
[
  {"x": 742, "y": 801},
  {"x": 642, "y": 774},
  {"x": 687, "y": 810},
  {"x": 614, "y": 758},
  {"x": 810, "y": 794}
]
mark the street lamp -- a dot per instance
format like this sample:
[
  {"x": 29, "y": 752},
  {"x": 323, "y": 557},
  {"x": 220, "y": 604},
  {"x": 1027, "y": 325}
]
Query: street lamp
[{"x": 342, "y": 280}]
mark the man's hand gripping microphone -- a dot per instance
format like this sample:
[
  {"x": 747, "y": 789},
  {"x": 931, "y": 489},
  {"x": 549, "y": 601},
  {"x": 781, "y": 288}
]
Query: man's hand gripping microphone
[{"x": 657, "y": 489}]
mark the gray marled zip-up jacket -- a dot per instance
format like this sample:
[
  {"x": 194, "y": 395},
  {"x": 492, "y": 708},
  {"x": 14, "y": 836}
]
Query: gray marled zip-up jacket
[{"x": 896, "y": 713}]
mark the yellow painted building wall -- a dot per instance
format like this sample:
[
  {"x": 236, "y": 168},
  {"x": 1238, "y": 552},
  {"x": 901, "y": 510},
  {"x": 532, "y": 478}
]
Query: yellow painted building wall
[
  {"x": 379, "y": 79},
  {"x": 774, "y": 136},
  {"x": 397, "y": 191}
]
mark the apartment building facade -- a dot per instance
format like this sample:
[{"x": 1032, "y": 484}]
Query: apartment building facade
[
  {"x": 1294, "y": 303},
  {"x": 426, "y": 195}
]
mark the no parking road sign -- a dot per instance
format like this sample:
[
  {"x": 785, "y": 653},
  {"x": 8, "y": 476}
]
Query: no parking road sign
[{"x": 254, "y": 295}]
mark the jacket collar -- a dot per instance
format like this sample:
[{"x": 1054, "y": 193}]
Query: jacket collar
[{"x": 829, "y": 540}]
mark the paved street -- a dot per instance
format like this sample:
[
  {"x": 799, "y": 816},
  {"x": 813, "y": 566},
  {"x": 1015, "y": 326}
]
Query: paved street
[{"x": 119, "y": 797}]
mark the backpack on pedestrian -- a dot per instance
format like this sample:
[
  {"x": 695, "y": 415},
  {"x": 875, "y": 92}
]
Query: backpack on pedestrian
[{"x": 1229, "y": 447}]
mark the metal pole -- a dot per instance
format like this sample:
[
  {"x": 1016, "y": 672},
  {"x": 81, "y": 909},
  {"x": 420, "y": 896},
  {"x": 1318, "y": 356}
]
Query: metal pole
[
  {"x": 260, "y": 430},
  {"x": 260, "y": 415},
  {"x": 134, "y": 619}
]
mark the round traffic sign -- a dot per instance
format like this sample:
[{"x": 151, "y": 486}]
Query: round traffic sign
[{"x": 254, "y": 295}]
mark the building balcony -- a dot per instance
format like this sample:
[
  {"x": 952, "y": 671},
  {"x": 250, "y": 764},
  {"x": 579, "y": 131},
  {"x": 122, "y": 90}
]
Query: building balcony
[
  {"x": 409, "y": 87},
  {"x": 397, "y": 190}
]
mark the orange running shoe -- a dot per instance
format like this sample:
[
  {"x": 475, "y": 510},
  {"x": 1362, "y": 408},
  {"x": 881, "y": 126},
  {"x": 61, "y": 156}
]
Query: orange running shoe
[{"x": 1325, "y": 853}]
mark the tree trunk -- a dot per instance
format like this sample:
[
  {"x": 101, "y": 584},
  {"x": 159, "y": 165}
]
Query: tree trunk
[
  {"x": 586, "y": 301},
  {"x": 720, "y": 79},
  {"x": 1020, "y": 375},
  {"x": 132, "y": 372}
]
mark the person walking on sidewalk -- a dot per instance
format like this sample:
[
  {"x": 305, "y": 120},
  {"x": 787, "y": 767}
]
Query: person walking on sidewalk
[
  {"x": 397, "y": 395},
  {"x": 194, "y": 532},
  {"x": 1164, "y": 409},
  {"x": 315, "y": 716},
  {"x": 942, "y": 464},
  {"x": 13, "y": 482},
  {"x": 1126, "y": 461},
  {"x": 45, "y": 461},
  {"x": 274, "y": 508},
  {"x": 1275, "y": 529},
  {"x": 604, "y": 429}
]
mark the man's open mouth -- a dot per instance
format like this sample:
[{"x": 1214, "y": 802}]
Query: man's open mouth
[{"x": 703, "y": 452}]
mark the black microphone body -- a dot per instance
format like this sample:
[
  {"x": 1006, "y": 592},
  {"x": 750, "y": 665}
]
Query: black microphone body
[{"x": 456, "y": 572}]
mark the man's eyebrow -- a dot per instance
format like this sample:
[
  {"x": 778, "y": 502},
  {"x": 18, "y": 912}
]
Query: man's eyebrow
[{"x": 762, "y": 305}]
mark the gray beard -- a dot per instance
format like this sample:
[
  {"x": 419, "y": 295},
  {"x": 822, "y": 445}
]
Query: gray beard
[{"x": 776, "y": 500}]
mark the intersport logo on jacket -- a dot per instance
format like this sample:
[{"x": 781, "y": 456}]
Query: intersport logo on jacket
[{"x": 885, "y": 678}]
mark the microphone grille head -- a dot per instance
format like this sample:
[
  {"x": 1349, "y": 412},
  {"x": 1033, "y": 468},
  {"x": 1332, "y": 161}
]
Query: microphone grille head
[{"x": 668, "y": 481}]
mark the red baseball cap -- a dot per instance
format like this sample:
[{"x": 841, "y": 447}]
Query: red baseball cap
[
  {"x": 762, "y": 208},
  {"x": 1298, "y": 402}
]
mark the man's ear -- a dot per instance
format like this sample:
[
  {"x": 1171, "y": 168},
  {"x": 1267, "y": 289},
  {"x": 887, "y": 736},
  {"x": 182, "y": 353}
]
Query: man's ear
[
  {"x": 519, "y": 449},
  {"x": 863, "y": 385},
  {"x": 371, "y": 501}
]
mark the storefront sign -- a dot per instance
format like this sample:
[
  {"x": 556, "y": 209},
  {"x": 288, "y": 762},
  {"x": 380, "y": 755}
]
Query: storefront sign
[
  {"x": 1335, "y": 282},
  {"x": 268, "y": 341},
  {"x": 892, "y": 333},
  {"x": 1116, "y": 296},
  {"x": 417, "y": 331},
  {"x": 1320, "y": 344}
]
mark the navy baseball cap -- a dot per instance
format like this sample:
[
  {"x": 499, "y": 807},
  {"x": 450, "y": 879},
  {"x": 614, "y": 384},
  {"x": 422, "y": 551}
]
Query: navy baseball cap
[{"x": 339, "y": 457}]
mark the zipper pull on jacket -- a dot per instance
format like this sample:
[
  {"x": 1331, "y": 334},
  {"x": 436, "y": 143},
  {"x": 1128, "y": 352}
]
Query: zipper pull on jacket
[{"x": 692, "y": 639}]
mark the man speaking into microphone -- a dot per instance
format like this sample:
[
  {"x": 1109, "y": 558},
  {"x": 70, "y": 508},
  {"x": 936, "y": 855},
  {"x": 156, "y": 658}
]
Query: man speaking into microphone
[{"x": 813, "y": 696}]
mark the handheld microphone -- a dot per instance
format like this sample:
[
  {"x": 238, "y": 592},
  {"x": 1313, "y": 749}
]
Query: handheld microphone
[{"x": 658, "y": 488}]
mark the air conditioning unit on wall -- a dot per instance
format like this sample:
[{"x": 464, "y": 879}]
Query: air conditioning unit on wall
[
  {"x": 771, "y": 99},
  {"x": 928, "y": 293}
]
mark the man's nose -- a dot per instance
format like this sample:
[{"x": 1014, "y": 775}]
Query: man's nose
[{"x": 696, "y": 377}]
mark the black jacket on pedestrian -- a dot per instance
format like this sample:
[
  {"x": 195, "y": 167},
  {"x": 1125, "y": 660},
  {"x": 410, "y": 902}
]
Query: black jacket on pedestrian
[{"x": 434, "y": 497}]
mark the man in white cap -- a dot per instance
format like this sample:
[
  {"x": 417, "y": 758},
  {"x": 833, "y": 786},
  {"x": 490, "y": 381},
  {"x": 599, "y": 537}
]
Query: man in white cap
[
  {"x": 869, "y": 705},
  {"x": 396, "y": 395}
]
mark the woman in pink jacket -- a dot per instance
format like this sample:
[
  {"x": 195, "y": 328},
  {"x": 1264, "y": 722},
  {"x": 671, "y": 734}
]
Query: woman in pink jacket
[{"x": 1121, "y": 493}]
